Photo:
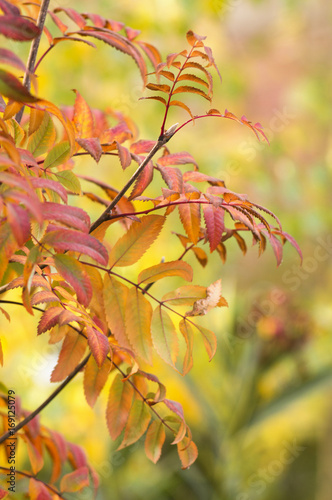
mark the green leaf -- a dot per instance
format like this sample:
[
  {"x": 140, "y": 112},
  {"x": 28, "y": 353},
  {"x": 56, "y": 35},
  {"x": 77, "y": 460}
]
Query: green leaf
[
  {"x": 138, "y": 421},
  {"x": 164, "y": 336},
  {"x": 58, "y": 155},
  {"x": 43, "y": 138},
  {"x": 69, "y": 180}
]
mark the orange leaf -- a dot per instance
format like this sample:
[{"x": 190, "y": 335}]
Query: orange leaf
[
  {"x": 188, "y": 334},
  {"x": 130, "y": 248},
  {"x": 118, "y": 405},
  {"x": 202, "y": 306},
  {"x": 159, "y": 87},
  {"x": 138, "y": 321},
  {"x": 193, "y": 78},
  {"x": 35, "y": 457},
  {"x": 74, "y": 273},
  {"x": 98, "y": 344},
  {"x": 194, "y": 39},
  {"x": 124, "y": 155},
  {"x": 37, "y": 490},
  {"x": 183, "y": 106},
  {"x": 200, "y": 255},
  {"x": 72, "y": 351},
  {"x": 75, "y": 481},
  {"x": 138, "y": 421},
  {"x": 192, "y": 90},
  {"x": 83, "y": 117},
  {"x": 94, "y": 379},
  {"x": 49, "y": 318},
  {"x": 187, "y": 452},
  {"x": 185, "y": 295},
  {"x": 142, "y": 181},
  {"x": 190, "y": 218},
  {"x": 115, "y": 299},
  {"x": 155, "y": 438},
  {"x": 164, "y": 269}
]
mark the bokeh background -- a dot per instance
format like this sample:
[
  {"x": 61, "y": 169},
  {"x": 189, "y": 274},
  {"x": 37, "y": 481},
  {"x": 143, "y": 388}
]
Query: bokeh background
[{"x": 261, "y": 411}]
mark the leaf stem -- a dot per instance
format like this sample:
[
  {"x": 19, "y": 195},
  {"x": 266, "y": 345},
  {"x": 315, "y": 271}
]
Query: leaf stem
[
  {"x": 33, "y": 51},
  {"x": 47, "y": 401}
]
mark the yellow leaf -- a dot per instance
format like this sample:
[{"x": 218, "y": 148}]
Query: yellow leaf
[
  {"x": 187, "y": 451},
  {"x": 138, "y": 421},
  {"x": 155, "y": 438},
  {"x": 115, "y": 298},
  {"x": 118, "y": 405},
  {"x": 164, "y": 336},
  {"x": 164, "y": 269},
  {"x": 190, "y": 218},
  {"x": 140, "y": 236},
  {"x": 138, "y": 323}
]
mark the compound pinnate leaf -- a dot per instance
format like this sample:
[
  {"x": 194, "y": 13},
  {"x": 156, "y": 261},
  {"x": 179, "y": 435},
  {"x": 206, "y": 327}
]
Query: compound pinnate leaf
[
  {"x": 75, "y": 481},
  {"x": 73, "y": 272},
  {"x": 98, "y": 344},
  {"x": 138, "y": 316},
  {"x": 118, "y": 405},
  {"x": 155, "y": 438},
  {"x": 130, "y": 248},
  {"x": 164, "y": 336},
  {"x": 72, "y": 351},
  {"x": 137, "y": 423},
  {"x": 165, "y": 269}
]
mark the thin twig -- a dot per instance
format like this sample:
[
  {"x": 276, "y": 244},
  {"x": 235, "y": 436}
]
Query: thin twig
[{"x": 33, "y": 52}]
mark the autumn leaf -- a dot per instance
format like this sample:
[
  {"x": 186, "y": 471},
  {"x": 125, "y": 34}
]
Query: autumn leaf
[
  {"x": 118, "y": 405},
  {"x": 164, "y": 336},
  {"x": 165, "y": 269},
  {"x": 138, "y": 316},
  {"x": 187, "y": 451},
  {"x": 95, "y": 378},
  {"x": 185, "y": 295},
  {"x": 140, "y": 236},
  {"x": 98, "y": 344},
  {"x": 138, "y": 421},
  {"x": 73, "y": 272},
  {"x": 72, "y": 351},
  {"x": 75, "y": 481},
  {"x": 202, "y": 306},
  {"x": 115, "y": 298},
  {"x": 37, "y": 490},
  {"x": 155, "y": 438}
]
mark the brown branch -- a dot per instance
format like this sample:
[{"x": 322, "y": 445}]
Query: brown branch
[
  {"x": 159, "y": 144},
  {"x": 47, "y": 401},
  {"x": 33, "y": 51}
]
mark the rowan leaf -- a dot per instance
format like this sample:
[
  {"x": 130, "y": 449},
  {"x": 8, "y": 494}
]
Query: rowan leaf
[
  {"x": 155, "y": 98},
  {"x": 138, "y": 316},
  {"x": 164, "y": 336},
  {"x": 91, "y": 146},
  {"x": 8, "y": 57},
  {"x": 74, "y": 273},
  {"x": 49, "y": 319},
  {"x": 214, "y": 221},
  {"x": 72, "y": 351},
  {"x": 75, "y": 481},
  {"x": 19, "y": 221},
  {"x": 142, "y": 181},
  {"x": 202, "y": 306},
  {"x": 195, "y": 40},
  {"x": 98, "y": 344},
  {"x": 187, "y": 451},
  {"x": 83, "y": 117},
  {"x": 124, "y": 155},
  {"x": 70, "y": 216},
  {"x": 200, "y": 255},
  {"x": 118, "y": 405},
  {"x": 192, "y": 90},
  {"x": 209, "y": 339},
  {"x": 18, "y": 28},
  {"x": 185, "y": 295},
  {"x": 58, "y": 155},
  {"x": 69, "y": 239},
  {"x": 115, "y": 298},
  {"x": 155, "y": 438},
  {"x": 41, "y": 183},
  {"x": 188, "y": 334},
  {"x": 190, "y": 218},
  {"x": 35, "y": 456},
  {"x": 181, "y": 158},
  {"x": 37, "y": 490},
  {"x": 43, "y": 138},
  {"x": 164, "y": 269},
  {"x": 180, "y": 104},
  {"x": 175, "y": 407},
  {"x": 159, "y": 87},
  {"x": 140, "y": 236},
  {"x": 11, "y": 87},
  {"x": 137, "y": 423},
  {"x": 69, "y": 180},
  {"x": 94, "y": 380},
  {"x": 43, "y": 297}
]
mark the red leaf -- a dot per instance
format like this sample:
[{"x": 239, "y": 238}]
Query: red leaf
[
  {"x": 49, "y": 319},
  {"x": 91, "y": 146},
  {"x": 74, "y": 273},
  {"x": 19, "y": 221},
  {"x": 39, "y": 182},
  {"x": 142, "y": 146},
  {"x": 8, "y": 8},
  {"x": 173, "y": 178},
  {"x": 12, "y": 88},
  {"x": 75, "y": 481},
  {"x": 37, "y": 490},
  {"x": 175, "y": 407},
  {"x": 73, "y": 15},
  {"x": 8, "y": 57},
  {"x": 214, "y": 221},
  {"x": 142, "y": 181},
  {"x": 71, "y": 216},
  {"x": 98, "y": 344},
  {"x": 18, "y": 28},
  {"x": 124, "y": 155},
  {"x": 69, "y": 239},
  {"x": 181, "y": 158}
]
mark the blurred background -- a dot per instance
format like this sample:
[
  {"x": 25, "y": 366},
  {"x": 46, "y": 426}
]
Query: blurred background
[{"x": 261, "y": 411}]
